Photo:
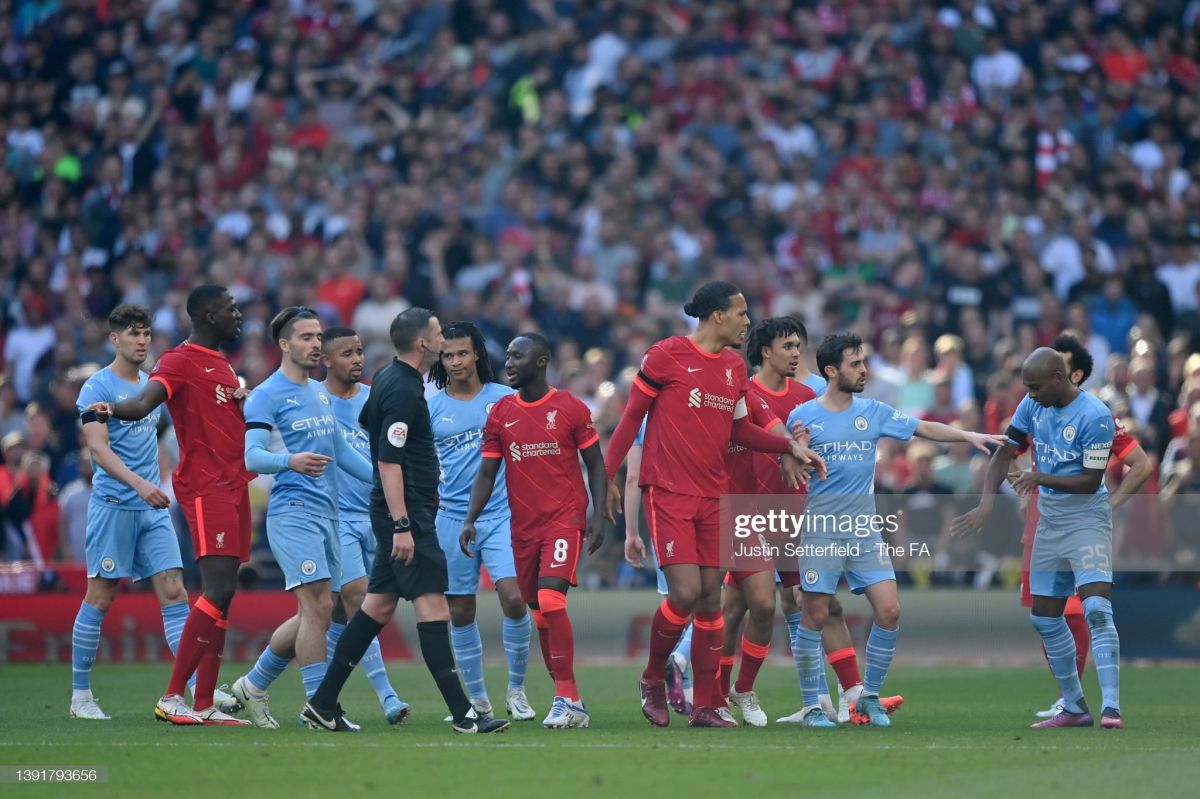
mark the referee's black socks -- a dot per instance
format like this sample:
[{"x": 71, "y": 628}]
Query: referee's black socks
[
  {"x": 439, "y": 659},
  {"x": 359, "y": 634}
]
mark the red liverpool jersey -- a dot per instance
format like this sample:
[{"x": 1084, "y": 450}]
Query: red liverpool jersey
[
  {"x": 540, "y": 443},
  {"x": 743, "y": 464},
  {"x": 781, "y": 405},
  {"x": 696, "y": 395},
  {"x": 208, "y": 420}
]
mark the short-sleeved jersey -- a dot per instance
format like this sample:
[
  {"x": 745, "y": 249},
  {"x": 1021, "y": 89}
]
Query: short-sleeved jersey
[
  {"x": 208, "y": 421},
  {"x": 540, "y": 443},
  {"x": 304, "y": 419},
  {"x": 780, "y": 405},
  {"x": 847, "y": 442},
  {"x": 1065, "y": 441},
  {"x": 697, "y": 395},
  {"x": 815, "y": 383},
  {"x": 353, "y": 495},
  {"x": 396, "y": 418},
  {"x": 135, "y": 443},
  {"x": 458, "y": 434},
  {"x": 743, "y": 465}
]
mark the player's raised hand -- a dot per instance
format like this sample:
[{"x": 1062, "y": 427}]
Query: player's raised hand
[
  {"x": 240, "y": 393},
  {"x": 103, "y": 411},
  {"x": 403, "y": 547},
  {"x": 808, "y": 458},
  {"x": 970, "y": 522},
  {"x": 309, "y": 463},
  {"x": 982, "y": 441},
  {"x": 595, "y": 533},
  {"x": 612, "y": 503},
  {"x": 153, "y": 495},
  {"x": 466, "y": 539},
  {"x": 794, "y": 473},
  {"x": 635, "y": 551},
  {"x": 1023, "y": 482}
]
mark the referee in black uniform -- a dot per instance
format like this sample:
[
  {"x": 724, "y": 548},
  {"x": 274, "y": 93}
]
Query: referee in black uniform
[{"x": 409, "y": 562}]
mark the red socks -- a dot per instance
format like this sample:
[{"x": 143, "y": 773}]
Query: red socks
[
  {"x": 725, "y": 674},
  {"x": 665, "y": 631},
  {"x": 753, "y": 656},
  {"x": 707, "y": 633},
  {"x": 199, "y": 632},
  {"x": 543, "y": 630},
  {"x": 553, "y": 607},
  {"x": 845, "y": 665},
  {"x": 210, "y": 667}
]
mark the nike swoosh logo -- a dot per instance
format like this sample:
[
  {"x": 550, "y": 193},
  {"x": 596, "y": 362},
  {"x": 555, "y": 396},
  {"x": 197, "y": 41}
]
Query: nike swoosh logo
[
  {"x": 556, "y": 565},
  {"x": 210, "y": 369},
  {"x": 690, "y": 370},
  {"x": 510, "y": 424}
]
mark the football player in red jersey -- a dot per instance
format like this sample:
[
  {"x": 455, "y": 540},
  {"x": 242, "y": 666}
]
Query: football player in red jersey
[
  {"x": 1125, "y": 450},
  {"x": 204, "y": 396},
  {"x": 539, "y": 434},
  {"x": 694, "y": 389}
]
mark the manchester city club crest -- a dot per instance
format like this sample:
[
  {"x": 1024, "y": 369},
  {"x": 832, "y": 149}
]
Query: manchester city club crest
[
  {"x": 309, "y": 568},
  {"x": 860, "y": 423},
  {"x": 1069, "y": 432},
  {"x": 811, "y": 577}
]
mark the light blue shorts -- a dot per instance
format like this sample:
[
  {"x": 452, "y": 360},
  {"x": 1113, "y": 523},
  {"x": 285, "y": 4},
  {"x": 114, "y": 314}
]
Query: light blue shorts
[
  {"x": 493, "y": 549},
  {"x": 129, "y": 543},
  {"x": 861, "y": 560},
  {"x": 1065, "y": 557},
  {"x": 358, "y": 549},
  {"x": 658, "y": 573},
  {"x": 306, "y": 547}
]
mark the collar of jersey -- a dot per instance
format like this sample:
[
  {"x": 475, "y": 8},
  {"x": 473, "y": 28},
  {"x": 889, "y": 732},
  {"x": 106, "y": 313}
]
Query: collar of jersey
[
  {"x": 712, "y": 356},
  {"x": 196, "y": 346},
  {"x": 525, "y": 404},
  {"x": 766, "y": 390}
]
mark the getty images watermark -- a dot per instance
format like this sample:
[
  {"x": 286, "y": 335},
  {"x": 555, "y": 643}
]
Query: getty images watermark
[{"x": 913, "y": 530}]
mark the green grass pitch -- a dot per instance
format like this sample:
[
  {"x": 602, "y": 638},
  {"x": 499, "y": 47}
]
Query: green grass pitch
[{"x": 961, "y": 732}]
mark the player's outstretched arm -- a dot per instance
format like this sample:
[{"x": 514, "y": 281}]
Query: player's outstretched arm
[
  {"x": 635, "y": 549},
  {"x": 350, "y": 460},
  {"x": 998, "y": 469},
  {"x": 481, "y": 491},
  {"x": 622, "y": 438},
  {"x": 133, "y": 409},
  {"x": 593, "y": 459},
  {"x": 945, "y": 434},
  {"x": 1140, "y": 469},
  {"x": 96, "y": 436}
]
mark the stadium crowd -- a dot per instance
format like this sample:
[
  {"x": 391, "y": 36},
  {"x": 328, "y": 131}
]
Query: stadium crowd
[{"x": 958, "y": 182}]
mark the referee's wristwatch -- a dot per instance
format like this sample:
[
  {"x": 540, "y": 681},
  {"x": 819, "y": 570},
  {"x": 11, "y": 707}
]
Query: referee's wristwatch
[{"x": 402, "y": 525}]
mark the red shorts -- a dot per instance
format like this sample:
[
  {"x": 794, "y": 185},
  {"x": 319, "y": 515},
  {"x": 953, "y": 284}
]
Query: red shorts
[
  {"x": 1074, "y": 606},
  {"x": 552, "y": 555},
  {"x": 685, "y": 529},
  {"x": 219, "y": 524},
  {"x": 789, "y": 579}
]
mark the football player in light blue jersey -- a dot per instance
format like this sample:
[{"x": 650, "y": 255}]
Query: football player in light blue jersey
[
  {"x": 129, "y": 531},
  {"x": 845, "y": 430},
  {"x": 342, "y": 355},
  {"x": 679, "y": 676},
  {"x": 1070, "y": 435},
  {"x": 302, "y": 512},
  {"x": 457, "y": 414}
]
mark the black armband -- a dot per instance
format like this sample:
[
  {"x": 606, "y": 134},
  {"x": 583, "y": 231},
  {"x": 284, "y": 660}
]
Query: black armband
[
  {"x": 654, "y": 384},
  {"x": 1020, "y": 437},
  {"x": 88, "y": 416},
  {"x": 258, "y": 426}
]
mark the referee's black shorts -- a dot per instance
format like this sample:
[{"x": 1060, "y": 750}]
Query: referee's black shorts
[{"x": 427, "y": 572}]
